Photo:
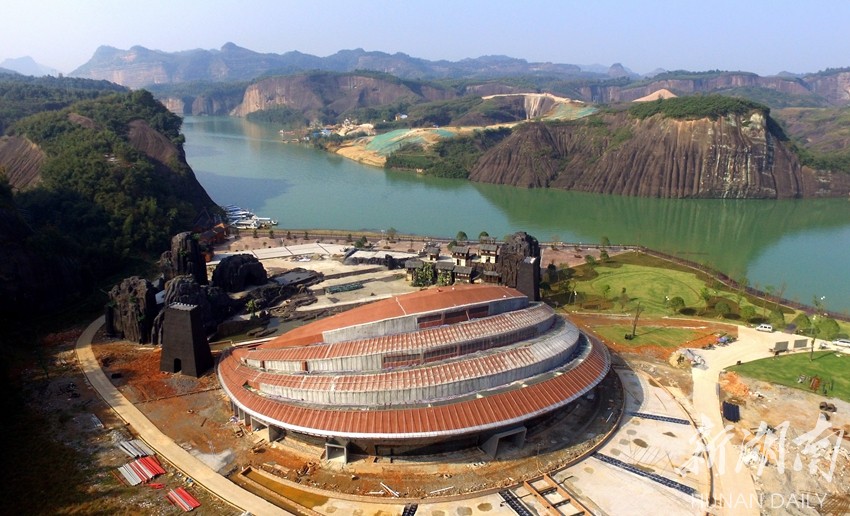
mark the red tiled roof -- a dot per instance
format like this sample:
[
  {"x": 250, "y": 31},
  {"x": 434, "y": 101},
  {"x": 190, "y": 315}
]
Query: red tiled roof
[
  {"x": 423, "y": 301},
  {"x": 467, "y": 416},
  {"x": 423, "y": 339}
]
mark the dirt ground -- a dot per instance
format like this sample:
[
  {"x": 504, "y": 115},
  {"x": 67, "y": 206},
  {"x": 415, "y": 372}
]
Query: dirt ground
[
  {"x": 587, "y": 321},
  {"x": 196, "y": 414},
  {"x": 798, "y": 445},
  {"x": 76, "y": 416}
]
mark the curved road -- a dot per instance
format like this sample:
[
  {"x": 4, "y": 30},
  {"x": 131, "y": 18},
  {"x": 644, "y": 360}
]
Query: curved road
[
  {"x": 164, "y": 445},
  {"x": 734, "y": 491}
]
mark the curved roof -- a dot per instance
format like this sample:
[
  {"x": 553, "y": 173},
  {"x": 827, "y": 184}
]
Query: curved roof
[
  {"x": 424, "y": 339},
  {"x": 421, "y": 302},
  {"x": 506, "y": 365},
  {"x": 490, "y": 411}
]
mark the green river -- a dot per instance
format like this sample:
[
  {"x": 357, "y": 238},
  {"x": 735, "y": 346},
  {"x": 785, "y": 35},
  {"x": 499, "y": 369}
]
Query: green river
[{"x": 801, "y": 245}]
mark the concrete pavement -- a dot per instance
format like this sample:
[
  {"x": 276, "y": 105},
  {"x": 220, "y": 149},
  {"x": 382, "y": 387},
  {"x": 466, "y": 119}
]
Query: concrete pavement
[
  {"x": 734, "y": 490},
  {"x": 160, "y": 442}
]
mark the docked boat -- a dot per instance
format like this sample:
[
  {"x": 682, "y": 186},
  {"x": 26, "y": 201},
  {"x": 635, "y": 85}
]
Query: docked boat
[{"x": 245, "y": 219}]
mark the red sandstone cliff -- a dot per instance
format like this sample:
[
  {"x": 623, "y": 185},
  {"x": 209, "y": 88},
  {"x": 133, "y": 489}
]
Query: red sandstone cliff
[{"x": 732, "y": 157}]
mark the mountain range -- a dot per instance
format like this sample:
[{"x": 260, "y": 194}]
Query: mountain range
[
  {"x": 27, "y": 66},
  {"x": 140, "y": 66}
]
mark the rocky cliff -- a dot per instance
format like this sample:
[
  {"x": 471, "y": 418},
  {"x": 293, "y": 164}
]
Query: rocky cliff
[
  {"x": 830, "y": 88},
  {"x": 318, "y": 93},
  {"x": 202, "y": 104},
  {"x": 21, "y": 160},
  {"x": 737, "y": 156}
]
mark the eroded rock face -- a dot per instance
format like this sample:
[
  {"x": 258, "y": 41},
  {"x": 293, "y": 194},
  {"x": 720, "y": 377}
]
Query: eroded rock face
[
  {"x": 21, "y": 160},
  {"x": 520, "y": 246},
  {"x": 235, "y": 272},
  {"x": 734, "y": 157},
  {"x": 214, "y": 303},
  {"x": 132, "y": 309},
  {"x": 606, "y": 94},
  {"x": 314, "y": 93},
  {"x": 184, "y": 258}
]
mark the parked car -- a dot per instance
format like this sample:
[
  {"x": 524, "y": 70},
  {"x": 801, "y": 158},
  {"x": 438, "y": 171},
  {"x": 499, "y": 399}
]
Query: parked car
[
  {"x": 844, "y": 343},
  {"x": 764, "y": 327}
]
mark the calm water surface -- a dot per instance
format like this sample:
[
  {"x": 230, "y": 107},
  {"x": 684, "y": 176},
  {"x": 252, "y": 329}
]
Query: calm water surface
[{"x": 803, "y": 245}]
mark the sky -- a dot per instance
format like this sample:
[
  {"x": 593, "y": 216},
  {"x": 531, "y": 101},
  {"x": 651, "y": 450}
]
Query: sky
[{"x": 761, "y": 36}]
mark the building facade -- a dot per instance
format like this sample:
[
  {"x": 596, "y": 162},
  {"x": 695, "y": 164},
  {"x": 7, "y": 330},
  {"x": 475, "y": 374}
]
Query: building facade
[{"x": 437, "y": 369}]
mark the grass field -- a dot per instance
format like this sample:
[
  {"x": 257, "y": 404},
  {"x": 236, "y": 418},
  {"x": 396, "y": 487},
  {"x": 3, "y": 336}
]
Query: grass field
[
  {"x": 831, "y": 367},
  {"x": 648, "y": 335},
  {"x": 652, "y": 281},
  {"x": 648, "y": 285}
]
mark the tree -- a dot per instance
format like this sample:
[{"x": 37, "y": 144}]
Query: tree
[
  {"x": 590, "y": 260},
  {"x": 722, "y": 308},
  {"x": 461, "y": 237},
  {"x": 676, "y": 303},
  {"x": 392, "y": 233},
  {"x": 552, "y": 273},
  {"x": 251, "y": 306},
  {"x": 638, "y": 310},
  {"x": 555, "y": 241},
  {"x": 604, "y": 242},
  {"x": 802, "y": 323},
  {"x": 254, "y": 233},
  {"x": 747, "y": 312},
  {"x": 423, "y": 276},
  {"x": 271, "y": 233},
  {"x": 743, "y": 282},
  {"x": 606, "y": 289},
  {"x": 624, "y": 299},
  {"x": 769, "y": 289},
  {"x": 705, "y": 295},
  {"x": 777, "y": 318},
  {"x": 361, "y": 242},
  {"x": 603, "y": 255},
  {"x": 444, "y": 278},
  {"x": 483, "y": 237},
  {"x": 827, "y": 328}
]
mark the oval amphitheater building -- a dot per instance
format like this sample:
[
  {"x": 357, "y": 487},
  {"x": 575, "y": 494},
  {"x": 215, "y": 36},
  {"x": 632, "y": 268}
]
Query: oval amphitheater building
[{"x": 434, "y": 370}]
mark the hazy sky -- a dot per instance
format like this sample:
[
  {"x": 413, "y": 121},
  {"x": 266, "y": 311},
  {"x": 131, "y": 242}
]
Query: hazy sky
[{"x": 765, "y": 37}]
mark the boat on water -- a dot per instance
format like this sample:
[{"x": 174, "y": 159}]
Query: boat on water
[{"x": 245, "y": 219}]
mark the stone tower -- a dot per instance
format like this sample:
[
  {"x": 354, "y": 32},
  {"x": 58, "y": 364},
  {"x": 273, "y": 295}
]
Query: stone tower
[{"x": 184, "y": 345}]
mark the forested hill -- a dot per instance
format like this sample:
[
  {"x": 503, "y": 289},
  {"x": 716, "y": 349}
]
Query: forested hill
[
  {"x": 21, "y": 96},
  {"x": 105, "y": 183}
]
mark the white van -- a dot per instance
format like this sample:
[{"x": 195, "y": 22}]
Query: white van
[{"x": 764, "y": 327}]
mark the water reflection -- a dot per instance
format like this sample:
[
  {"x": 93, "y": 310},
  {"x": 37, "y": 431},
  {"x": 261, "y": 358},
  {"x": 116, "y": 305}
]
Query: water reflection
[{"x": 772, "y": 242}]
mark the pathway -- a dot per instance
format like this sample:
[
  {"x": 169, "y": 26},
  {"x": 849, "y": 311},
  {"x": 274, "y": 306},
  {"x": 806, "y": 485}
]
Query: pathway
[
  {"x": 734, "y": 490},
  {"x": 161, "y": 443}
]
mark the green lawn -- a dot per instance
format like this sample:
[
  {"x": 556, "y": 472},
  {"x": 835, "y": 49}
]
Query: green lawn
[
  {"x": 648, "y": 335},
  {"x": 831, "y": 367},
  {"x": 647, "y": 285},
  {"x": 650, "y": 281}
]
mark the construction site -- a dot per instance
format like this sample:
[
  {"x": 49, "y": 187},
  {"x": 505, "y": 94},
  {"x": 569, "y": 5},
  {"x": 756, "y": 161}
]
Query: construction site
[{"x": 649, "y": 427}]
